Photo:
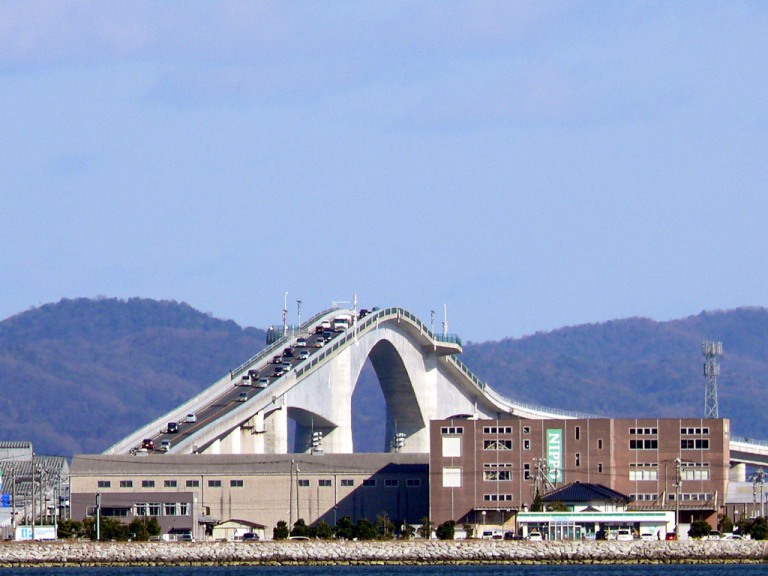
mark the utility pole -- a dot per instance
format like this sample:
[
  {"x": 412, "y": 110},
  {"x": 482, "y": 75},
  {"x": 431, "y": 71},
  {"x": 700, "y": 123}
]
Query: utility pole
[
  {"x": 678, "y": 484},
  {"x": 98, "y": 516},
  {"x": 758, "y": 481}
]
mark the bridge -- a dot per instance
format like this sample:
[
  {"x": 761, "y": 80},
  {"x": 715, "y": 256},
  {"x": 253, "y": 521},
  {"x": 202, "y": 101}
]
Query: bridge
[{"x": 420, "y": 375}]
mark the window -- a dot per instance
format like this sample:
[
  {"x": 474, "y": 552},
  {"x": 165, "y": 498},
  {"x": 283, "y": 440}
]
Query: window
[
  {"x": 154, "y": 508},
  {"x": 391, "y": 483},
  {"x": 599, "y": 467},
  {"x": 451, "y": 477},
  {"x": 643, "y": 497},
  {"x": 140, "y": 509},
  {"x": 526, "y": 471},
  {"x": 643, "y": 471},
  {"x": 104, "y": 484},
  {"x": 578, "y": 459},
  {"x": 694, "y": 444},
  {"x": 304, "y": 483},
  {"x": 193, "y": 483},
  {"x": 526, "y": 444},
  {"x": 451, "y": 447},
  {"x": 497, "y": 444},
  {"x": 183, "y": 508},
  {"x": 577, "y": 432},
  {"x": 147, "y": 483},
  {"x": 369, "y": 483},
  {"x": 599, "y": 443},
  {"x": 235, "y": 483},
  {"x": 214, "y": 483},
  {"x": 646, "y": 444},
  {"x": 452, "y": 430},
  {"x": 413, "y": 483},
  {"x": 169, "y": 509},
  {"x": 643, "y": 431},
  {"x": 324, "y": 482},
  {"x": 526, "y": 429},
  {"x": 497, "y": 429},
  {"x": 497, "y": 497},
  {"x": 694, "y": 471},
  {"x": 126, "y": 483},
  {"x": 496, "y": 475},
  {"x": 170, "y": 484},
  {"x": 108, "y": 511},
  {"x": 347, "y": 482},
  {"x": 696, "y": 431}
]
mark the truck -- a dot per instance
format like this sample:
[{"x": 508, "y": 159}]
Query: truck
[{"x": 342, "y": 322}]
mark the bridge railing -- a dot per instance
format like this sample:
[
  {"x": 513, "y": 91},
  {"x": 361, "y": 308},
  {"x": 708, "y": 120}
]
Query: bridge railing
[
  {"x": 276, "y": 345},
  {"x": 749, "y": 441}
]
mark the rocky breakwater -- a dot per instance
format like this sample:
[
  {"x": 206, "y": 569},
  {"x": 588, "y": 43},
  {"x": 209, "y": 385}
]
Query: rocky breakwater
[{"x": 78, "y": 553}]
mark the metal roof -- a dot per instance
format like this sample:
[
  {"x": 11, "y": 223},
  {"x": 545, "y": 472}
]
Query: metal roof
[{"x": 585, "y": 492}]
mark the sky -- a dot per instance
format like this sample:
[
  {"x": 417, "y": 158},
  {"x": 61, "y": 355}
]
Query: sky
[{"x": 517, "y": 166}]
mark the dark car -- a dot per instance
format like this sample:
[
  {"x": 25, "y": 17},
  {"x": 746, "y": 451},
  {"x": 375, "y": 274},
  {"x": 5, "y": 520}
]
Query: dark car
[
  {"x": 278, "y": 371},
  {"x": 148, "y": 444},
  {"x": 670, "y": 536},
  {"x": 277, "y": 359},
  {"x": 288, "y": 353},
  {"x": 173, "y": 427},
  {"x": 250, "y": 537},
  {"x": 327, "y": 335}
]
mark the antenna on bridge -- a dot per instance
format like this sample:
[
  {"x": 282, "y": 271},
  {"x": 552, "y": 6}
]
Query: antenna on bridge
[
  {"x": 711, "y": 351},
  {"x": 445, "y": 319}
]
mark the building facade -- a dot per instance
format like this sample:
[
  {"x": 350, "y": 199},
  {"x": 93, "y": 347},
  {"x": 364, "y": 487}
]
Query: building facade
[
  {"x": 191, "y": 494},
  {"x": 483, "y": 472}
]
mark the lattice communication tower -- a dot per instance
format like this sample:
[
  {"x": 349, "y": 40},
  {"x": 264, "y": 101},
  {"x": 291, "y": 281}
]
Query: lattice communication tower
[{"x": 711, "y": 351}]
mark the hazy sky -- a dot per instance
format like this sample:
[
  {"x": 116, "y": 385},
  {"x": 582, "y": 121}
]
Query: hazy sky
[{"x": 531, "y": 165}]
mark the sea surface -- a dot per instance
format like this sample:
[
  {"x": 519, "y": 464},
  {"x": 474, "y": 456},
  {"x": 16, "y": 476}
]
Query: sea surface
[{"x": 485, "y": 570}]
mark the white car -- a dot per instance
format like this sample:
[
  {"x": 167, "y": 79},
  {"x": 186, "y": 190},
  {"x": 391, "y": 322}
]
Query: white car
[
  {"x": 165, "y": 445},
  {"x": 535, "y": 536},
  {"x": 647, "y": 536},
  {"x": 624, "y": 535},
  {"x": 191, "y": 418}
]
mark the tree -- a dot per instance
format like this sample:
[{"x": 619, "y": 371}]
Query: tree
[
  {"x": 407, "y": 531},
  {"x": 69, "y": 529},
  {"x": 384, "y": 526},
  {"x": 446, "y": 530},
  {"x": 365, "y": 530},
  {"x": 724, "y": 524},
  {"x": 425, "y": 530},
  {"x": 300, "y": 528},
  {"x": 538, "y": 503},
  {"x": 345, "y": 529},
  {"x": 113, "y": 529},
  {"x": 323, "y": 530},
  {"x": 699, "y": 529},
  {"x": 139, "y": 530},
  {"x": 280, "y": 531},
  {"x": 758, "y": 528},
  {"x": 468, "y": 530}
]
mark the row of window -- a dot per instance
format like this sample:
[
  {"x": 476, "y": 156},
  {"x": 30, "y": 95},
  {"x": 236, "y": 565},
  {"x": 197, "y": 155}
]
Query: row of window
[
  {"x": 696, "y": 431},
  {"x": 237, "y": 483},
  {"x": 701, "y": 497},
  {"x": 497, "y": 497},
  {"x": 643, "y": 431},
  {"x": 144, "y": 509},
  {"x": 497, "y": 429}
]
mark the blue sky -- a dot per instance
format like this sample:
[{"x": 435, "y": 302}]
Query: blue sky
[{"x": 529, "y": 165}]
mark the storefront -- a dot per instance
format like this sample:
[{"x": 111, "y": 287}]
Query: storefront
[{"x": 586, "y": 525}]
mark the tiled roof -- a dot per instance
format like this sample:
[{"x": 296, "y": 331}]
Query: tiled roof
[{"x": 585, "y": 492}]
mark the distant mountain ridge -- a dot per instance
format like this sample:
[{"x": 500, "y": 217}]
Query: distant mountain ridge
[{"x": 80, "y": 374}]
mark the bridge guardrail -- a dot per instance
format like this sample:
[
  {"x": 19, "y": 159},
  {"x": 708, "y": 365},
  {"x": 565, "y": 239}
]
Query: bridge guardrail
[{"x": 749, "y": 441}]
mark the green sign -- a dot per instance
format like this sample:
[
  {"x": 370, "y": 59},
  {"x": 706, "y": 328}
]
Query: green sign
[{"x": 555, "y": 455}]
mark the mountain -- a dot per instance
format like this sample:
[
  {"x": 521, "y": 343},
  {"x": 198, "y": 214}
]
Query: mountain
[{"x": 78, "y": 375}]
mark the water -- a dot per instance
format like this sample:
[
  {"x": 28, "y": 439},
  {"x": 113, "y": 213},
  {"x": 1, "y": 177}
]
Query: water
[{"x": 498, "y": 570}]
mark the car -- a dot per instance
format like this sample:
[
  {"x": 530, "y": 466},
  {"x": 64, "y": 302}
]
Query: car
[
  {"x": 278, "y": 371},
  {"x": 318, "y": 342},
  {"x": 277, "y": 359},
  {"x": 173, "y": 427},
  {"x": 263, "y": 382},
  {"x": 242, "y": 397},
  {"x": 328, "y": 335},
  {"x": 645, "y": 535},
  {"x": 191, "y": 418},
  {"x": 244, "y": 381},
  {"x": 165, "y": 445},
  {"x": 713, "y": 535},
  {"x": 510, "y": 535},
  {"x": 301, "y": 343},
  {"x": 732, "y": 536},
  {"x": 288, "y": 353},
  {"x": 304, "y": 354},
  {"x": 362, "y": 314},
  {"x": 250, "y": 537},
  {"x": 326, "y": 324},
  {"x": 535, "y": 536},
  {"x": 148, "y": 444},
  {"x": 624, "y": 535},
  {"x": 287, "y": 366},
  {"x": 186, "y": 538},
  {"x": 601, "y": 535},
  {"x": 670, "y": 536}
]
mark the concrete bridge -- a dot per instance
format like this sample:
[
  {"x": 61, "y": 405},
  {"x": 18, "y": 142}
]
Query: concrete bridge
[{"x": 420, "y": 375}]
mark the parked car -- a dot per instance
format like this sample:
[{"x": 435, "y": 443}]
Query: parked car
[
  {"x": 624, "y": 535},
  {"x": 732, "y": 536},
  {"x": 535, "y": 536},
  {"x": 186, "y": 538},
  {"x": 173, "y": 427},
  {"x": 242, "y": 397},
  {"x": 670, "y": 536},
  {"x": 148, "y": 444},
  {"x": 250, "y": 537},
  {"x": 165, "y": 445},
  {"x": 645, "y": 535},
  {"x": 713, "y": 535},
  {"x": 191, "y": 418}
]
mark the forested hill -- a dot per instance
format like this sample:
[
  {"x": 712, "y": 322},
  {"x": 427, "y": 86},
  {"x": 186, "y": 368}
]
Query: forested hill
[
  {"x": 637, "y": 367},
  {"x": 78, "y": 375}
]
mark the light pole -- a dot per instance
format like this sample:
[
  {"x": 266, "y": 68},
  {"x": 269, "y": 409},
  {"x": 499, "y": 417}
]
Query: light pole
[
  {"x": 678, "y": 482},
  {"x": 298, "y": 309}
]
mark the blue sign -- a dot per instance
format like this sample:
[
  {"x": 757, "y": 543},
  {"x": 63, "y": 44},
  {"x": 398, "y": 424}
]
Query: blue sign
[{"x": 5, "y": 500}]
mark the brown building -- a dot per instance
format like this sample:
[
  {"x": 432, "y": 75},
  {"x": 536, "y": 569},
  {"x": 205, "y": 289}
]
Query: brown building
[
  {"x": 482, "y": 472},
  {"x": 191, "y": 494}
]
